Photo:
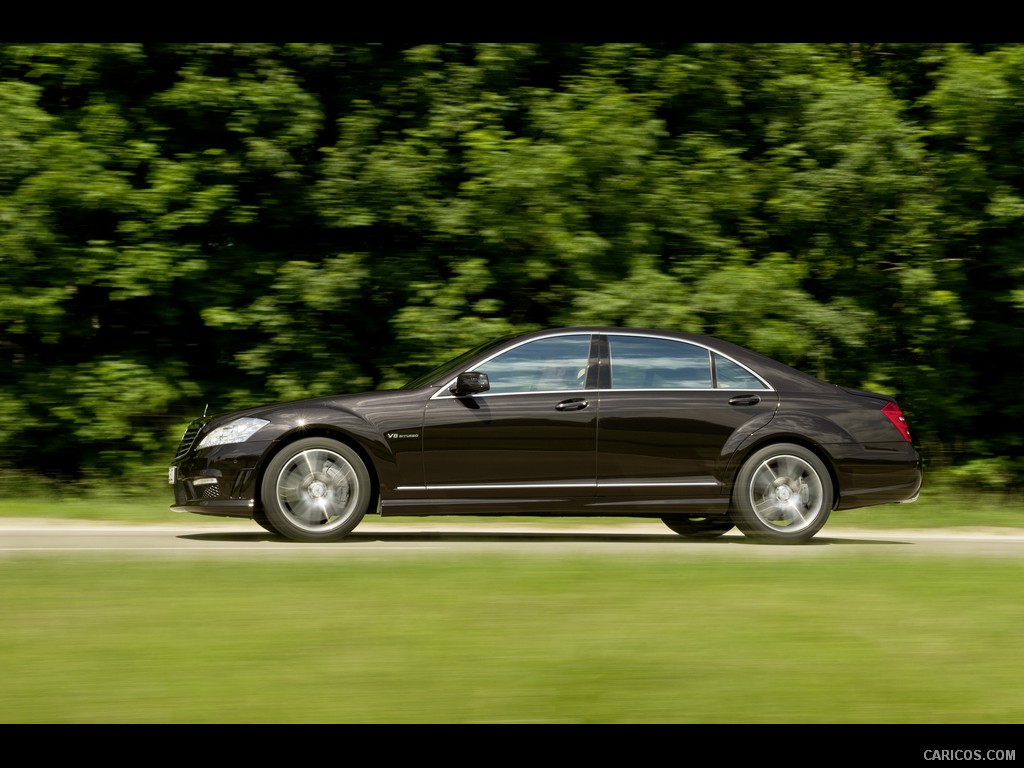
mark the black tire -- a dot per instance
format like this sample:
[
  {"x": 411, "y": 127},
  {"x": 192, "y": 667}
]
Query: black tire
[
  {"x": 260, "y": 518},
  {"x": 783, "y": 495},
  {"x": 316, "y": 490},
  {"x": 698, "y": 527}
]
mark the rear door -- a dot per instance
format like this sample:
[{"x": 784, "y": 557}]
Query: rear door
[{"x": 668, "y": 408}]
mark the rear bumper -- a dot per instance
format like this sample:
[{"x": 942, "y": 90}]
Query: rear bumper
[
  {"x": 911, "y": 499},
  {"x": 879, "y": 475}
]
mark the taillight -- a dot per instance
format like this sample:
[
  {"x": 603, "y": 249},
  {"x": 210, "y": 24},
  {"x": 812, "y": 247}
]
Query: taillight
[{"x": 895, "y": 415}]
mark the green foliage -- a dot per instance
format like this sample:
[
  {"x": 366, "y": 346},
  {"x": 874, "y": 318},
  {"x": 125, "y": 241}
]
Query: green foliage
[
  {"x": 183, "y": 224},
  {"x": 998, "y": 473}
]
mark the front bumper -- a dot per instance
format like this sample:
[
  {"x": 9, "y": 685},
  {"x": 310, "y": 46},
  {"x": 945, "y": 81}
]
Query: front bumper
[{"x": 220, "y": 481}]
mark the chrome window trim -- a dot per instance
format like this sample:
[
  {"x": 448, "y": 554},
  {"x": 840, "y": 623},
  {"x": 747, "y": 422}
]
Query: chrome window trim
[
  {"x": 711, "y": 352},
  {"x": 443, "y": 393}
]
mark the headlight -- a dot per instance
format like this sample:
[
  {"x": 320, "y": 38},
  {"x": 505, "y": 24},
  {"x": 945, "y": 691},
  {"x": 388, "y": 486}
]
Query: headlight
[{"x": 237, "y": 431}]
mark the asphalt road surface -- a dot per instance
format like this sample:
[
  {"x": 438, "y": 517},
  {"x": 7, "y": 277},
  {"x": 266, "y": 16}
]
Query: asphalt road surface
[{"x": 216, "y": 538}]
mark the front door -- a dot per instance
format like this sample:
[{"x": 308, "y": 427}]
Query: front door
[{"x": 533, "y": 431}]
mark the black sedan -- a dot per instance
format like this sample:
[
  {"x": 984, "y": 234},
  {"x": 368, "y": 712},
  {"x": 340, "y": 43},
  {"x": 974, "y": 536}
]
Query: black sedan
[{"x": 700, "y": 433}]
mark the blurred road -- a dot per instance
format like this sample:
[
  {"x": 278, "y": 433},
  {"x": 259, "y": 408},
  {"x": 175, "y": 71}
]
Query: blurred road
[{"x": 217, "y": 538}]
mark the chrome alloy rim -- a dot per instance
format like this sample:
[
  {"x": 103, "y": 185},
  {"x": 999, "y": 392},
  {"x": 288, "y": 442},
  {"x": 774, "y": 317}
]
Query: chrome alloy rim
[
  {"x": 786, "y": 493},
  {"x": 317, "y": 489}
]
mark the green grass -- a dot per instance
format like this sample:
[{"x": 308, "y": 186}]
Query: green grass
[{"x": 539, "y": 638}]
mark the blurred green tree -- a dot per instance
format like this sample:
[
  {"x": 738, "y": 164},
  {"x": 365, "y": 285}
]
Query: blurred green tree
[{"x": 228, "y": 223}]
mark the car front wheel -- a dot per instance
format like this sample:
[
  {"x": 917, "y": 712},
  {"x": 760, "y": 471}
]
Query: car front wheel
[
  {"x": 260, "y": 518},
  {"x": 783, "y": 494},
  {"x": 316, "y": 490}
]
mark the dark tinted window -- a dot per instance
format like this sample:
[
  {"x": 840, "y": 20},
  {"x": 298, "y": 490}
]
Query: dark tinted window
[
  {"x": 545, "y": 365},
  {"x": 731, "y": 375},
  {"x": 638, "y": 362}
]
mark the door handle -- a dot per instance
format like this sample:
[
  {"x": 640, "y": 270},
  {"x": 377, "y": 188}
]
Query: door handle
[
  {"x": 745, "y": 400},
  {"x": 576, "y": 404}
]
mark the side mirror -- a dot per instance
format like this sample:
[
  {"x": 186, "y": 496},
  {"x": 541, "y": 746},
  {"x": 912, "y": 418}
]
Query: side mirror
[{"x": 469, "y": 383}]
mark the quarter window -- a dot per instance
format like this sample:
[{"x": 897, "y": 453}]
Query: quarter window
[{"x": 730, "y": 375}]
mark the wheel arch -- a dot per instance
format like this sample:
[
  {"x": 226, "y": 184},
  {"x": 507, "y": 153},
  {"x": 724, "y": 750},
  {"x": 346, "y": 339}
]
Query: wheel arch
[
  {"x": 328, "y": 432},
  {"x": 739, "y": 458}
]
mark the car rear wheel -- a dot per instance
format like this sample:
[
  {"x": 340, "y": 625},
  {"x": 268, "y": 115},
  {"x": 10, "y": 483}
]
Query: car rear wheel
[
  {"x": 697, "y": 527},
  {"x": 316, "y": 489},
  {"x": 783, "y": 494}
]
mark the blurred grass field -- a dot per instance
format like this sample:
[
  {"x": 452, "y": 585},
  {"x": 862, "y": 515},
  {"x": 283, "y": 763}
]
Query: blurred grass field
[{"x": 537, "y": 637}]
